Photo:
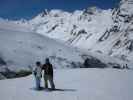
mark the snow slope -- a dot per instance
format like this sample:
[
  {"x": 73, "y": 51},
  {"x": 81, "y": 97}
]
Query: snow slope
[
  {"x": 74, "y": 84},
  {"x": 20, "y": 49}
]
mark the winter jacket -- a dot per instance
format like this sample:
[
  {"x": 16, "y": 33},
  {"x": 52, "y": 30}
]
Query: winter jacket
[
  {"x": 48, "y": 69},
  {"x": 37, "y": 71}
]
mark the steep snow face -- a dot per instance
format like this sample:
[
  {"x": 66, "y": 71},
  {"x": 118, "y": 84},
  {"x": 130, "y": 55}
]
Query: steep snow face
[
  {"x": 74, "y": 28},
  {"x": 22, "y": 49},
  {"x": 119, "y": 37},
  {"x": 81, "y": 29}
]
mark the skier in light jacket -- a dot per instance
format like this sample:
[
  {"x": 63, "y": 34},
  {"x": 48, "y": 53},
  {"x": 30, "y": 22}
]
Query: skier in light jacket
[{"x": 38, "y": 74}]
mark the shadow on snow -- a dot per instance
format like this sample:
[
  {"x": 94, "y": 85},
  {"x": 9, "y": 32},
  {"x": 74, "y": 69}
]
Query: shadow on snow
[{"x": 50, "y": 90}]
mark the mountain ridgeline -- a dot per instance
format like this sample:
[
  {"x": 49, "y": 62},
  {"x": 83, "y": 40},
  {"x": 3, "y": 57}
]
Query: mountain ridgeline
[{"x": 104, "y": 31}]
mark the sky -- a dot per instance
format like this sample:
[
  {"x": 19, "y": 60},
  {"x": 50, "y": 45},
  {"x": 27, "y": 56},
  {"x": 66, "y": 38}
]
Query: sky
[{"x": 17, "y": 9}]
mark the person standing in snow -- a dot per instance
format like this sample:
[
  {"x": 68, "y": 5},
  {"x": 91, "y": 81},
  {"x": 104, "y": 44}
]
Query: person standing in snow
[
  {"x": 38, "y": 74},
  {"x": 48, "y": 74}
]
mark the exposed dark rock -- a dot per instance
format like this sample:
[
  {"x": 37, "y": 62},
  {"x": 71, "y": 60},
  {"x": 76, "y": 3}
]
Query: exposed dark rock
[
  {"x": 104, "y": 36},
  {"x": 2, "y": 62},
  {"x": 81, "y": 32},
  {"x": 2, "y": 77},
  {"x": 117, "y": 43},
  {"x": 76, "y": 65},
  {"x": 114, "y": 65},
  {"x": 45, "y": 12},
  {"x": 130, "y": 46},
  {"x": 93, "y": 63},
  {"x": 53, "y": 28},
  {"x": 13, "y": 74}
]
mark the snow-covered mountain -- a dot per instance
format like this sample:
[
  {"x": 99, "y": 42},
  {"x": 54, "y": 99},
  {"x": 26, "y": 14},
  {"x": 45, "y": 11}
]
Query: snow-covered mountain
[
  {"x": 74, "y": 28},
  {"x": 105, "y": 35},
  {"x": 120, "y": 35},
  {"x": 20, "y": 49},
  {"x": 103, "y": 31}
]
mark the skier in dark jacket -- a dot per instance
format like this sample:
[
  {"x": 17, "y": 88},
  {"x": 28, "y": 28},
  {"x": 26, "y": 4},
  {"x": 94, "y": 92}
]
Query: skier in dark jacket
[{"x": 48, "y": 73}]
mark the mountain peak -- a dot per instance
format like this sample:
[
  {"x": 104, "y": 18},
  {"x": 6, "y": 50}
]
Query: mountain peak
[
  {"x": 92, "y": 10},
  {"x": 45, "y": 12}
]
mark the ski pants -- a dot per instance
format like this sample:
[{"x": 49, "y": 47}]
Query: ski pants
[
  {"x": 38, "y": 80},
  {"x": 50, "y": 79}
]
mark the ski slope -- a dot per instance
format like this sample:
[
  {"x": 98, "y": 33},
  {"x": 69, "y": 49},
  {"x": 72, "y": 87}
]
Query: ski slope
[{"x": 75, "y": 84}]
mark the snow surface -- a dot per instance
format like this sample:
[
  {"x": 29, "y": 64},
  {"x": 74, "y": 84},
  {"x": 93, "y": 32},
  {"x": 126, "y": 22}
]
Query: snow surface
[{"x": 75, "y": 84}]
